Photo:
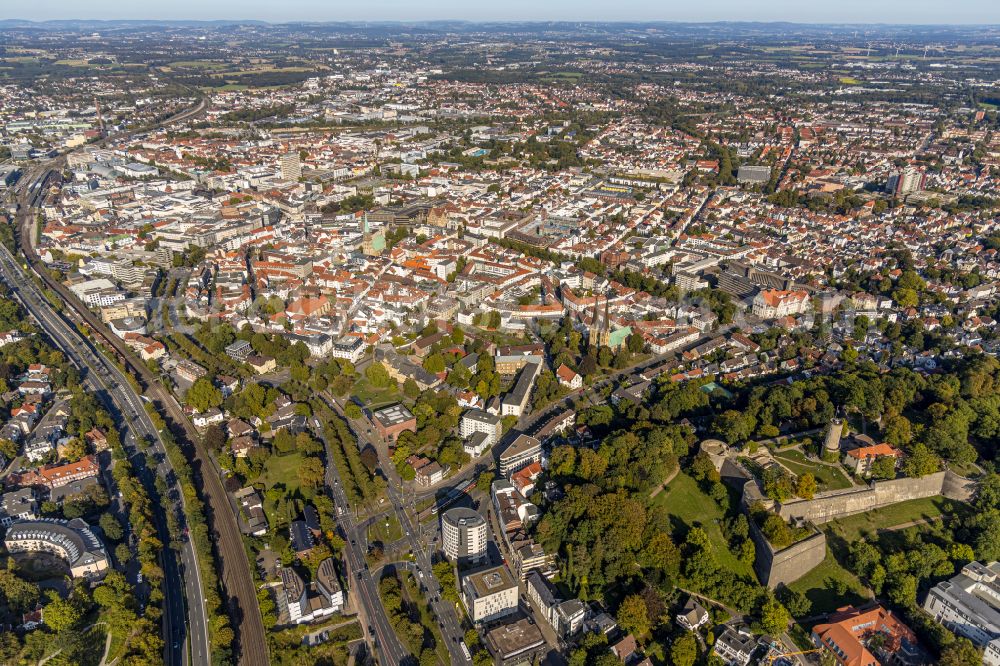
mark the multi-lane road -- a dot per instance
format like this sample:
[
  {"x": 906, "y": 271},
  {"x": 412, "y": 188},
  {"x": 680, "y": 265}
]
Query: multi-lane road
[
  {"x": 250, "y": 648},
  {"x": 355, "y": 535},
  {"x": 181, "y": 578},
  {"x": 444, "y": 612},
  {"x": 234, "y": 568},
  {"x": 378, "y": 631}
]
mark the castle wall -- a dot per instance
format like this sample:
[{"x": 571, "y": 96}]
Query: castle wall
[
  {"x": 774, "y": 568},
  {"x": 783, "y": 567},
  {"x": 847, "y": 502}
]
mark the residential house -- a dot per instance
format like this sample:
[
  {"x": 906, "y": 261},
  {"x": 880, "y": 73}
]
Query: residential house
[
  {"x": 19, "y": 504},
  {"x": 299, "y": 603},
  {"x": 735, "y": 646},
  {"x": 252, "y": 518},
  {"x": 568, "y": 377},
  {"x": 692, "y": 615},
  {"x": 868, "y": 635}
]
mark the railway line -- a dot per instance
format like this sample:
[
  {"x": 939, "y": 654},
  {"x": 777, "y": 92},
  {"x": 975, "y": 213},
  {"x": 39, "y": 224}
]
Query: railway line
[
  {"x": 105, "y": 378},
  {"x": 239, "y": 592}
]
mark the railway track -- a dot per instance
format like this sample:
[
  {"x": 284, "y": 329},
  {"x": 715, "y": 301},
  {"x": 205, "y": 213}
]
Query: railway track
[
  {"x": 239, "y": 593},
  {"x": 237, "y": 579}
]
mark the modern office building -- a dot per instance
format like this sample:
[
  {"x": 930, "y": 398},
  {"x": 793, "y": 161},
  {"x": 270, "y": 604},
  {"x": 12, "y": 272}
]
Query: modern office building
[
  {"x": 464, "y": 535},
  {"x": 969, "y": 605},
  {"x": 489, "y": 594},
  {"x": 522, "y": 452}
]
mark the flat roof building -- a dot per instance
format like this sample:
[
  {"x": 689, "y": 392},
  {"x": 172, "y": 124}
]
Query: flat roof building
[
  {"x": 518, "y": 642},
  {"x": 522, "y": 452},
  {"x": 392, "y": 420},
  {"x": 477, "y": 421},
  {"x": 464, "y": 535},
  {"x": 489, "y": 593},
  {"x": 969, "y": 605},
  {"x": 291, "y": 166},
  {"x": 753, "y": 175}
]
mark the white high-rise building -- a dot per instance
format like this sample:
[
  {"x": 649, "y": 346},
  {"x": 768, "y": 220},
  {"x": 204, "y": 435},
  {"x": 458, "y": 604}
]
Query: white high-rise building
[
  {"x": 463, "y": 536},
  {"x": 291, "y": 167},
  {"x": 476, "y": 420}
]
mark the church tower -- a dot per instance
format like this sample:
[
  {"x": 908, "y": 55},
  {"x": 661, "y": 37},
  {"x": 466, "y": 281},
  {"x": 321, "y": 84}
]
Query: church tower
[{"x": 600, "y": 325}]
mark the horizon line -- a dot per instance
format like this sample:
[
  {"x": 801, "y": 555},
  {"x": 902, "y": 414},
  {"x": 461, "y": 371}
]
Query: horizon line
[{"x": 501, "y": 21}]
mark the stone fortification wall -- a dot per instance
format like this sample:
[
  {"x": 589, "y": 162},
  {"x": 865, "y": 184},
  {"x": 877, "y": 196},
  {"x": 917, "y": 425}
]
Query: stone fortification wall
[
  {"x": 849, "y": 501},
  {"x": 783, "y": 567}
]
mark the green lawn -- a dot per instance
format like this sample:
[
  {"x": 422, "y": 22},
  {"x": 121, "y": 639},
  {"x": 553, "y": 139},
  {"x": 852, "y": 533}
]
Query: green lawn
[
  {"x": 866, "y": 525},
  {"x": 827, "y": 478},
  {"x": 374, "y": 397},
  {"x": 688, "y": 505},
  {"x": 823, "y": 586},
  {"x": 281, "y": 469},
  {"x": 379, "y": 531}
]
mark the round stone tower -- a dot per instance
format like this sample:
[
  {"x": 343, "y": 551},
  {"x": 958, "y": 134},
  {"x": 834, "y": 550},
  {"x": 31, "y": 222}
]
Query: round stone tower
[{"x": 832, "y": 443}]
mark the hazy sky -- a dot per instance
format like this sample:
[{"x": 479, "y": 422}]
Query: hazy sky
[{"x": 847, "y": 11}]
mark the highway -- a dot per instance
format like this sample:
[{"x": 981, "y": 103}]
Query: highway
[
  {"x": 240, "y": 594},
  {"x": 181, "y": 579},
  {"x": 234, "y": 568}
]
